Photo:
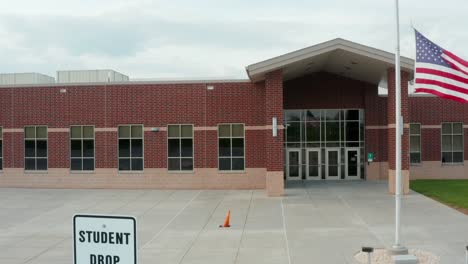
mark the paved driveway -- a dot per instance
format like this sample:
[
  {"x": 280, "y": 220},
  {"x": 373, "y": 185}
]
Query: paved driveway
[{"x": 317, "y": 222}]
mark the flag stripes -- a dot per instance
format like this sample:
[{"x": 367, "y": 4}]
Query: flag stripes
[{"x": 440, "y": 72}]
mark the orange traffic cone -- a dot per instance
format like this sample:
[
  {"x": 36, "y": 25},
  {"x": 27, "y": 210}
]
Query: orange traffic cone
[{"x": 226, "y": 221}]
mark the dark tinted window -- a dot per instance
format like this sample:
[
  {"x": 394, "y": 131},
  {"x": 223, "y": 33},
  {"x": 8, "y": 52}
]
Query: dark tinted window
[
  {"x": 88, "y": 148},
  {"x": 225, "y": 164},
  {"x": 187, "y": 147},
  {"x": 124, "y": 164},
  {"x": 41, "y": 148},
  {"x": 82, "y": 148},
  {"x": 137, "y": 148},
  {"x": 332, "y": 131},
  {"x": 237, "y": 163},
  {"x": 35, "y": 148},
  {"x": 29, "y": 164},
  {"x": 332, "y": 115},
  {"x": 41, "y": 164},
  {"x": 30, "y": 148},
  {"x": 173, "y": 147},
  {"x": 187, "y": 164},
  {"x": 293, "y": 132},
  {"x": 124, "y": 147},
  {"x": 224, "y": 147},
  {"x": 180, "y": 147},
  {"x": 174, "y": 164},
  {"x": 237, "y": 147},
  {"x": 293, "y": 116},
  {"x": 75, "y": 148},
  {"x": 352, "y": 131},
  {"x": 76, "y": 164},
  {"x": 137, "y": 164},
  {"x": 313, "y": 131},
  {"x": 352, "y": 115},
  {"x": 231, "y": 145},
  {"x": 452, "y": 144},
  {"x": 88, "y": 164},
  {"x": 131, "y": 147}
]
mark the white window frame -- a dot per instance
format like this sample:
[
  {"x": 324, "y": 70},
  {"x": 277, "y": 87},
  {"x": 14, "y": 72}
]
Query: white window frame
[
  {"x": 420, "y": 143},
  {"x": 180, "y": 137},
  {"x": 82, "y": 139},
  {"x": 452, "y": 134},
  {"x": 142, "y": 146},
  {"x": 231, "y": 137},
  {"x": 35, "y": 157}
]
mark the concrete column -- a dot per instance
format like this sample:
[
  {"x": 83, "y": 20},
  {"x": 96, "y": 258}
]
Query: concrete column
[
  {"x": 274, "y": 145},
  {"x": 391, "y": 131}
]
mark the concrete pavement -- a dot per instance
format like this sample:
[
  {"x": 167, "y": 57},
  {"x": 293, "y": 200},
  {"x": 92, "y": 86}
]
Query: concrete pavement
[{"x": 316, "y": 222}]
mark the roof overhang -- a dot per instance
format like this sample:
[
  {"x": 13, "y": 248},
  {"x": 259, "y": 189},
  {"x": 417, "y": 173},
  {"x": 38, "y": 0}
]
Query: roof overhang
[{"x": 338, "y": 56}]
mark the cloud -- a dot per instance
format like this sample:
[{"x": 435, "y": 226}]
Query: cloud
[{"x": 195, "y": 39}]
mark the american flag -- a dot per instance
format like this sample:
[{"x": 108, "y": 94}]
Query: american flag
[{"x": 440, "y": 72}]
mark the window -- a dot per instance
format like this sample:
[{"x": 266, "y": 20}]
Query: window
[
  {"x": 293, "y": 126},
  {"x": 131, "y": 148},
  {"x": 325, "y": 128},
  {"x": 82, "y": 148},
  {"x": 415, "y": 143},
  {"x": 1, "y": 149},
  {"x": 180, "y": 147},
  {"x": 35, "y": 148},
  {"x": 231, "y": 147},
  {"x": 452, "y": 143}
]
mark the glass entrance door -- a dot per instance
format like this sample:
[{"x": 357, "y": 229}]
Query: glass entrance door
[
  {"x": 352, "y": 163},
  {"x": 332, "y": 166},
  {"x": 314, "y": 164},
  {"x": 293, "y": 159}
]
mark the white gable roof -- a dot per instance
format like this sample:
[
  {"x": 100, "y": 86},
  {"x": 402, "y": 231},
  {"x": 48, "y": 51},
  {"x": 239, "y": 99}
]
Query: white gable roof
[{"x": 337, "y": 56}]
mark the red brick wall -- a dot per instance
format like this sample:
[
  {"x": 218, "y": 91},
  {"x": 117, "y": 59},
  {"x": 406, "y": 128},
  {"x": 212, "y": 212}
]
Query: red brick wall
[
  {"x": 441, "y": 110},
  {"x": 255, "y": 139},
  {"x": 376, "y": 142},
  {"x": 274, "y": 108},
  {"x": 58, "y": 152},
  {"x": 433, "y": 111},
  {"x": 391, "y": 119},
  {"x": 328, "y": 91},
  {"x": 157, "y": 105},
  {"x": 108, "y": 150},
  {"x": 324, "y": 90},
  {"x": 153, "y": 105},
  {"x": 376, "y": 116},
  {"x": 431, "y": 144}
]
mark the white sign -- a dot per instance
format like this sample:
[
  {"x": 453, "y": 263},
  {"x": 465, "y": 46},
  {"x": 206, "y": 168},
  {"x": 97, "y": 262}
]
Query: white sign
[{"x": 100, "y": 239}]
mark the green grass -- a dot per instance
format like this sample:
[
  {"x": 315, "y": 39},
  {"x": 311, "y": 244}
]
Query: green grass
[{"x": 450, "y": 192}]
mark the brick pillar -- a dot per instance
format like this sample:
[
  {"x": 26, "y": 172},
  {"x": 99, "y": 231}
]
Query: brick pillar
[
  {"x": 391, "y": 131},
  {"x": 274, "y": 145}
]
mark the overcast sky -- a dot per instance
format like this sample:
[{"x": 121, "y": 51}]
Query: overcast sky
[{"x": 207, "y": 39}]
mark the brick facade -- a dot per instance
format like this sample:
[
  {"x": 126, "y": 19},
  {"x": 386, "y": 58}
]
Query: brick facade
[
  {"x": 274, "y": 145},
  {"x": 391, "y": 130},
  {"x": 328, "y": 91},
  {"x": 254, "y": 104},
  {"x": 153, "y": 105}
]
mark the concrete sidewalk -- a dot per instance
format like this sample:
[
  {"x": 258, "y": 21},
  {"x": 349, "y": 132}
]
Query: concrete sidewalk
[{"x": 316, "y": 222}]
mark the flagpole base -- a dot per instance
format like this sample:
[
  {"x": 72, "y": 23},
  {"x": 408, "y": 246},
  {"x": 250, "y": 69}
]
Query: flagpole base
[{"x": 397, "y": 250}]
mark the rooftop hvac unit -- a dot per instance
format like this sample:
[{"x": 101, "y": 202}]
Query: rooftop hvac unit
[
  {"x": 25, "y": 78},
  {"x": 90, "y": 76}
]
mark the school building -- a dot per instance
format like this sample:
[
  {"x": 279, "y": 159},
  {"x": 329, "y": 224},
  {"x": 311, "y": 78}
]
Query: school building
[{"x": 314, "y": 114}]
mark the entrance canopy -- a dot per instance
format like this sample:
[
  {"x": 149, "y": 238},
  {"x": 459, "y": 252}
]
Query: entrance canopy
[{"x": 338, "y": 56}]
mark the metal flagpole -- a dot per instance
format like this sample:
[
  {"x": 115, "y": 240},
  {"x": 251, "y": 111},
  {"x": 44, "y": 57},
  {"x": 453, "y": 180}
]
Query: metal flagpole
[{"x": 397, "y": 248}]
